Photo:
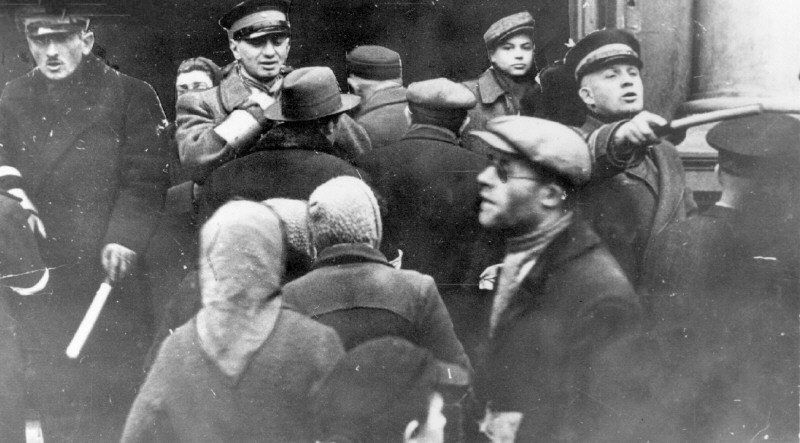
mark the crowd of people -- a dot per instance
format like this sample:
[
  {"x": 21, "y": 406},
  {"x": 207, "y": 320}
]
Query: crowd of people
[{"x": 511, "y": 258}]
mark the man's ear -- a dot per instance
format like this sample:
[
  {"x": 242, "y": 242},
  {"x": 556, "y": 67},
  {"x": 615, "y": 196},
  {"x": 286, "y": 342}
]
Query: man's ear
[
  {"x": 407, "y": 113},
  {"x": 587, "y": 96},
  {"x": 353, "y": 83},
  {"x": 234, "y": 45},
  {"x": 88, "y": 42},
  {"x": 552, "y": 196}
]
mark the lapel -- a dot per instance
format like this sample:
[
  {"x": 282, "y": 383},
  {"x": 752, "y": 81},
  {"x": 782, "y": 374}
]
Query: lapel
[
  {"x": 671, "y": 188},
  {"x": 573, "y": 242},
  {"x": 232, "y": 91},
  {"x": 87, "y": 101},
  {"x": 490, "y": 89}
]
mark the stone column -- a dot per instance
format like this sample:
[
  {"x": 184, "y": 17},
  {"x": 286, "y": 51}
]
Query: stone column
[{"x": 745, "y": 51}]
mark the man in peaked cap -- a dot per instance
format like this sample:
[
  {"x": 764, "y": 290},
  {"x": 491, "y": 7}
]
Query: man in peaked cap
[
  {"x": 217, "y": 125},
  {"x": 82, "y": 149},
  {"x": 560, "y": 297},
  {"x": 376, "y": 74},
  {"x": 723, "y": 287},
  {"x": 638, "y": 185}
]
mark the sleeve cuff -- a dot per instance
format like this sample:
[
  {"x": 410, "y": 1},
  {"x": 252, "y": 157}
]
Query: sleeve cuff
[
  {"x": 239, "y": 128},
  {"x": 39, "y": 286}
]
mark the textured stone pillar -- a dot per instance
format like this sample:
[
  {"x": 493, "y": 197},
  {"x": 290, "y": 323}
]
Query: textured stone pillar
[{"x": 745, "y": 51}]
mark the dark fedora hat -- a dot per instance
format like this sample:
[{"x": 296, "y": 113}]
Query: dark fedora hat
[{"x": 308, "y": 94}]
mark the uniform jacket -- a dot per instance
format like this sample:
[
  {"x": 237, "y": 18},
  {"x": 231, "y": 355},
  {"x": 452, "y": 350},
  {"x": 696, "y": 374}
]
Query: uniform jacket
[
  {"x": 200, "y": 148},
  {"x": 722, "y": 330},
  {"x": 428, "y": 182},
  {"x": 573, "y": 302},
  {"x": 382, "y": 115},
  {"x": 353, "y": 289},
  {"x": 494, "y": 101},
  {"x": 91, "y": 155},
  {"x": 188, "y": 398},
  {"x": 629, "y": 203}
]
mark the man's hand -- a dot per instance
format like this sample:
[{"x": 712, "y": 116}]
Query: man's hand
[
  {"x": 639, "y": 130},
  {"x": 262, "y": 99},
  {"x": 118, "y": 261},
  {"x": 34, "y": 222}
]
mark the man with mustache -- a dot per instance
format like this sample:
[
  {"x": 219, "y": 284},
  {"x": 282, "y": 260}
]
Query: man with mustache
[
  {"x": 638, "y": 183},
  {"x": 82, "y": 149}
]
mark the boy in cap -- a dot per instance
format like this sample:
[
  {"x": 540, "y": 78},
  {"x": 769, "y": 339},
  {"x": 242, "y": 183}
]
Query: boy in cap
[
  {"x": 560, "y": 297},
  {"x": 638, "y": 186},
  {"x": 217, "y": 125},
  {"x": 375, "y": 74},
  {"x": 511, "y": 78},
  {"x": 723, "y": 291}
]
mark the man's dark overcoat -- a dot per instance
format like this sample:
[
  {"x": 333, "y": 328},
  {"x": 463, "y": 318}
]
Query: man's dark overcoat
[
  {"x": 354, "y": 290},
  {"x": 92, "y": 158},
  {"x": 628, "y": 204},
  {"x": 574, "y": 302},
  {"x": 723, "y": 303},
  {"x": 382, "y": 115},
  {"x": 289, "y": 164}
]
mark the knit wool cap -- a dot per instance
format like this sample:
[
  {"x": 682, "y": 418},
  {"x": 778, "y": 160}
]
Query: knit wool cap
[
  {"x": 202, "y": 64},
  {"x": 501, "y": 29},
  {"x": 294, "y": 214},
  {"x": 439, "y": 101},
  {"x": 549, "y": 144},
  {"x": 344, "y": 210},
  {"x": 374, "y": 63}
]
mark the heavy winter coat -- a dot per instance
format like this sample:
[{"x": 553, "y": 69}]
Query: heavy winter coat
[
  {"x": 289, "y": 164},
  {"x": 574, "y": 302},
  {"x": 719, "y": 360},
  {"x": 628, "y": 204},
  {"x": 92, "y": 157},
  {"x": 382, "y": 114},
  {"x": 187, "y": 398},
  {"x": 353, "y": 289}
]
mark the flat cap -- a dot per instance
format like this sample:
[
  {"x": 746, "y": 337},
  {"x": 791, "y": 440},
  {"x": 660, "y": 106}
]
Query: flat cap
[
  {"x": 374, "y": 63},
  {"x": 755, "y": 145},
  {"x": 602, "y": 48},
  {"x": 257, "y": 18},
  {"x": 440, "y": 93},
  {"x": 499, "y": 30},
  {"x": 543, "y": 142}
]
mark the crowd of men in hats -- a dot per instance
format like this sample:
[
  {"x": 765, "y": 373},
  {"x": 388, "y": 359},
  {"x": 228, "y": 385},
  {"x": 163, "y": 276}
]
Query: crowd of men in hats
[{"x": 511, "y": 258}]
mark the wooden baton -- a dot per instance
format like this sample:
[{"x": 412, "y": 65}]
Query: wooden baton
[{"x": 87, "y": 324}]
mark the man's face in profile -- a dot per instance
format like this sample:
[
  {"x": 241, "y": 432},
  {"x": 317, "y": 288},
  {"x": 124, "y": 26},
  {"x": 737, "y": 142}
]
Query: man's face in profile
[{"x": 57, "y": 53}]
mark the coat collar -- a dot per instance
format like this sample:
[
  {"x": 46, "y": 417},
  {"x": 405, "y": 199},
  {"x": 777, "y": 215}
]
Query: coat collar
[
  {"x": 489, "y": 87},
  {"x": 349, "y": 253},
  {"x": 431, "y": 132},
  {"x": 574, "y": 241},
  {"x": 232, "y": 91},
  {"x": 393, "y": 95}
]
